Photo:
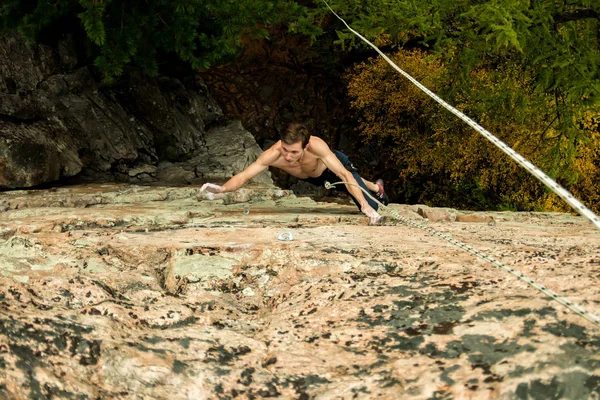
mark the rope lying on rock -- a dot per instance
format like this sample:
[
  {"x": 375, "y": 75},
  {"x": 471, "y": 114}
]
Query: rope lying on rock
[
  {"x": 565, "y": 302},
  {"x": 535, "y": 171}
]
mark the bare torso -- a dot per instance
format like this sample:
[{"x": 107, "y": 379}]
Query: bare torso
[{"x": 309, "y": 166}]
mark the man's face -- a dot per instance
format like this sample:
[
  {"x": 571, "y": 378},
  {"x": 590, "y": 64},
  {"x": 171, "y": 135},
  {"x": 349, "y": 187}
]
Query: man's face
[{"x": 292, "y": 152}]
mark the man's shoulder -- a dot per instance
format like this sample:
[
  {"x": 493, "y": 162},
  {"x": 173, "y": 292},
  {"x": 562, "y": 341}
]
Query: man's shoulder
[
  {"x": 318, "y": 146},
  {"x": 315, "y": 139},
  {"x": 272, "y": 154}
]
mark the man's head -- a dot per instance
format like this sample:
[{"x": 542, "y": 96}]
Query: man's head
[
  {"x": 294, "y": 141},
  {"x": 295, "y": 133}
]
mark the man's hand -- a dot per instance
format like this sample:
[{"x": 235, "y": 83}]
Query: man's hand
[
  {"x": 212, "y": 188},
  {"x": 374, "y": 217}
]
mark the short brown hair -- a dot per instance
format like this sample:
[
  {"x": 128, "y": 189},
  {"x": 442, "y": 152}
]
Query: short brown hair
[{"x": 295, "y": 133}]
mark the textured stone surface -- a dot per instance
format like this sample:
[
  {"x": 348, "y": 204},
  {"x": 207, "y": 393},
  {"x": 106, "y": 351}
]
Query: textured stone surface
[
  {"x": 57, "y": 122},
  {"x": 229, "y": 149},
  {"x": 108, "y": 291}
]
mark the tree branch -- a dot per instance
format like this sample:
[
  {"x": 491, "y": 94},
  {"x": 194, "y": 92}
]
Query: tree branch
[{"x": 575, "y": 15}]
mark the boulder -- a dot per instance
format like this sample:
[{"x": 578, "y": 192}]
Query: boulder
[
  {"x": 130, "y": 292},
  {"x": 234, "y": 149},
  {"x": 229, "y": 149}
]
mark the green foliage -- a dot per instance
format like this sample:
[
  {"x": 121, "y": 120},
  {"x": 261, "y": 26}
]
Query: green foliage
[
  {"x": 202, "y": 33},
  {"x": 439, "y": 160},
  {"x": 468, "y": 34},
  {"x": 526, "y": 70}
]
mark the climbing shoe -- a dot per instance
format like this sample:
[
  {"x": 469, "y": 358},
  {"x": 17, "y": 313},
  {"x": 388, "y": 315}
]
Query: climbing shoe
[{"x": 382, "y": 195}]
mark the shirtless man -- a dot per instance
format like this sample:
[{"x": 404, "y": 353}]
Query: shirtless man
[{"x": 309, "y": 158}]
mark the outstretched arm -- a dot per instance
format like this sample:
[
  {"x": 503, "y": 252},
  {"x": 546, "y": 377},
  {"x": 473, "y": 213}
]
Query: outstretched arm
[
  {"x": 320, "y": 148},
  {"x": 262, "y": 162}
]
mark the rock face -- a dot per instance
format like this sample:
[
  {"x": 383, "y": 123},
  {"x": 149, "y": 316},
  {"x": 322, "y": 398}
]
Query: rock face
[
  {"x": 56, "y": 122},
  {"x": 229, "y": 149},
  {"x": 129, "y": 292}
]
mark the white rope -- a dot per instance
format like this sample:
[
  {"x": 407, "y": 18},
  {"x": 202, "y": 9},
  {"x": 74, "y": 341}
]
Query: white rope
[
  {"x": 565, "y": 302},
  {"x": 535, "y": 171}
]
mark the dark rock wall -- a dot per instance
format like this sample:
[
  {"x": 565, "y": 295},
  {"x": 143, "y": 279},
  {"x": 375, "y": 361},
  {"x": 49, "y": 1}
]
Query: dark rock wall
[
  {"x": 278, "y": 81},
  {"x": 284, "y": 79},
  {"x": 57, "y": 122}
]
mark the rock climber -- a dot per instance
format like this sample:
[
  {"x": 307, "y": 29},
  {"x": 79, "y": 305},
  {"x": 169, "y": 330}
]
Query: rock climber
[{"x": 309, "y": 158}]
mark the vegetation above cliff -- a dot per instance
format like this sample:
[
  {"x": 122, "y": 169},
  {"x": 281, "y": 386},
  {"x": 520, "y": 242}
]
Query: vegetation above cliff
[
  {"x": 525, "y": 70},
  {"x": 145, "y": 33}
]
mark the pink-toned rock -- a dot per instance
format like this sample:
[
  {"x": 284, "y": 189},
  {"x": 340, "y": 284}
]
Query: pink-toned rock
[
  {"x": 434, "y": 214},
  {"x": 189, "y": 298},
  {"x": 476, "y": 218},
  {"x": 6, "y": 233}
]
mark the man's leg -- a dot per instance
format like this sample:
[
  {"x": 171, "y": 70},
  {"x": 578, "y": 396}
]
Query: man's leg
[
  {"x": 377, "y": 190},
  {"x": 373, "y": 187}
]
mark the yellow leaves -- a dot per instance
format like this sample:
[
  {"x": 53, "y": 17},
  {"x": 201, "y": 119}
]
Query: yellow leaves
[
  {"x": 590, "y": 120},
  {"x": 375, "y": 81},
  {"x": 419, "y": 139},
  {"x": 587, "y": 164},
  {"x": 550, "y": 202},
  {"x": 383, "y": 39}
]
